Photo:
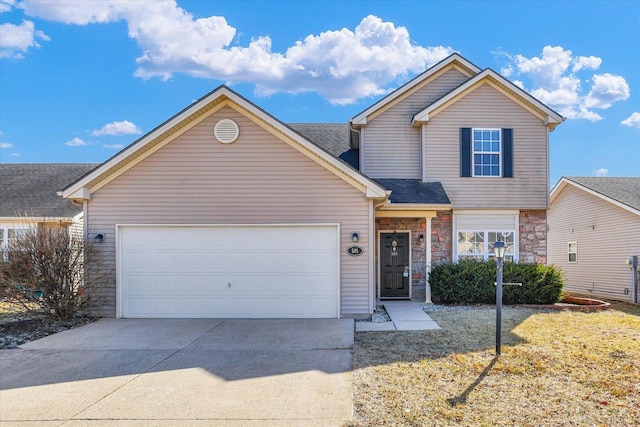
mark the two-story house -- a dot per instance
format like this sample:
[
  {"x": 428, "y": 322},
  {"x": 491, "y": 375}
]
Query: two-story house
[{"x": 224, "y": 211}]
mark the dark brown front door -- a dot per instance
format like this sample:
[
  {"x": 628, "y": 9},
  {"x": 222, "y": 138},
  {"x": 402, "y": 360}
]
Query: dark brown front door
[{"x": 395, "y": 271}]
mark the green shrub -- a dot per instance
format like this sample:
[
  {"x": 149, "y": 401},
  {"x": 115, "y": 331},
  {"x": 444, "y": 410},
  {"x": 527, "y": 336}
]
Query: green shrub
[{"x": 472, "y": 282}]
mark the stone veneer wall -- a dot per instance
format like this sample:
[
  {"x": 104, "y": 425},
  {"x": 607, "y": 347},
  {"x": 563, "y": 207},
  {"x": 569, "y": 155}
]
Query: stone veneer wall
[
  {"x": 417, "y": 226},
  {"x": 533, "y": 236},
  {"x": 441, "y": 238}
]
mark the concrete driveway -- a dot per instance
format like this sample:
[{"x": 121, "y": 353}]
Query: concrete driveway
[{"x": 227, "y": 372}]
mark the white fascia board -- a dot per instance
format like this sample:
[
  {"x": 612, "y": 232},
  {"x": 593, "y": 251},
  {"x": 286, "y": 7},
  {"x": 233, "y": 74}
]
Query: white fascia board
[
  {"x": 414, "y": 207},
  {"x": 558, "y": 188},
  {"x": 564, "y": 182},
  {"x": 361, "y": 119},
  {"x": 551, "y": 120},
  {"x": 82, "y": 193},
  {"x": 374, "y": 193},
  {"x": 488, "y": 211},
  {"x": 34, "y": 219}
]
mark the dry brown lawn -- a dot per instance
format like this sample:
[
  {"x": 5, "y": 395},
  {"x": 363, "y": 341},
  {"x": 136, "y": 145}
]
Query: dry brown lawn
[{"x": 556, "y": 369}]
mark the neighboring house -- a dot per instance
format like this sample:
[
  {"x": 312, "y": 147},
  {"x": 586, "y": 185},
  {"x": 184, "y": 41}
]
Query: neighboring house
[
  {"x": 594, "y": 228},
  {"x": 28, "y": 197},
  {"x": 224, "y": 211}
]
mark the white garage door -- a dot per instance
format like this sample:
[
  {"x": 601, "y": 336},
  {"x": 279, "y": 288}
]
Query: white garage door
[{"x": 228, "y": 271}]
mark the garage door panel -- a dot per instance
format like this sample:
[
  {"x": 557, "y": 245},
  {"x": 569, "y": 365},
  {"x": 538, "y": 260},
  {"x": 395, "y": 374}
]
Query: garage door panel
[
  {"x": 230, "y": 271},
  {"x": 248, "y": 286}
]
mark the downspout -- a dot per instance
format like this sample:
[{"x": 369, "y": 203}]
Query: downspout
[{"x": 351, "y": 145}]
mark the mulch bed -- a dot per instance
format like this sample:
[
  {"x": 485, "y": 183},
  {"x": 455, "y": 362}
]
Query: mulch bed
[{"x": 15, "y": 332}]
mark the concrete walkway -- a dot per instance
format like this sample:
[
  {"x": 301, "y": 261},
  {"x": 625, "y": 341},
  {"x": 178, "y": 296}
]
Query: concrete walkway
[
  {"x": 175, "y": 372},
  {"x": 405, "y": 316}
]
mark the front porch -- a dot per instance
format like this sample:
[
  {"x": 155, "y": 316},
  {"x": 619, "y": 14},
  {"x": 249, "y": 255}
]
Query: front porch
[{"x": 408, "y": 244}]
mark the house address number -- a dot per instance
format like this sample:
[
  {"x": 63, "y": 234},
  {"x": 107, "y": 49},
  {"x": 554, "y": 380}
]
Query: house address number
[{"x": 355, "y": 250}]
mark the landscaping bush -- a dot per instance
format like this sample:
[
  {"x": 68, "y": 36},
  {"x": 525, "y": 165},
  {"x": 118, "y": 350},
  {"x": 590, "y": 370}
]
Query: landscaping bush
[
  {"x": 472, "y": 282},
  {"x": 46, "y": 269}
]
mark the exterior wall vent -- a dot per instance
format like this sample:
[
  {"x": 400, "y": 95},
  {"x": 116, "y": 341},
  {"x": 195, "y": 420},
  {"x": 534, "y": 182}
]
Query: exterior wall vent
[{"x": 226, "y": 131}]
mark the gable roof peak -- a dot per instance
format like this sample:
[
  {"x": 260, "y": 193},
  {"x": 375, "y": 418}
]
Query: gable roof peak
[
  {"x": 550, "y": 116},
  {"x": 455, "y": 59},
  {"x": 621, "y": 191},
  {"x": 192, "y": 115}
]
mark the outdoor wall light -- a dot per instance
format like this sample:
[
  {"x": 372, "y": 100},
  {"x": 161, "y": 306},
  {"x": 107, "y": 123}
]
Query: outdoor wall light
[
  {"x": 98, "y": 238},
  {"x": 421, "y": 237},
  {"x": 354, "y": 237}
]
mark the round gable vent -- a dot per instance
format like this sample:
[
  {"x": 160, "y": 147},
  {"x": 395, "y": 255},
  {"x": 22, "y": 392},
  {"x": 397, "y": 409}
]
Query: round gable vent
[{"x": 226, "y": 131}]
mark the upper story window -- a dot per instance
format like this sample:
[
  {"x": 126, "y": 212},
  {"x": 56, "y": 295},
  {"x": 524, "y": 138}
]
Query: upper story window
[{"x": 486, "y": 152}]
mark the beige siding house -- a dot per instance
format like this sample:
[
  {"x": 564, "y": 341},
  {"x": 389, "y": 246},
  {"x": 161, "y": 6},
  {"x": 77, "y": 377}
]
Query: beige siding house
[
  {"x": 594, "y": 228},
  {"x": 224, "y": 211}
]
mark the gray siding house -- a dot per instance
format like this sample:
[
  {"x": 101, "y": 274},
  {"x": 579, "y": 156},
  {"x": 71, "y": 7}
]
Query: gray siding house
[
  {"x": 594, "y": 228},
  {"x": 224, "y": 211}
]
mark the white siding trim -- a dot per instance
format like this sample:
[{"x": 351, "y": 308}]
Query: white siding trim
[
  {"x": 363, "y": 146},
  {"x": 372, "y": 249},
  {"x": 428, "y": 262}
]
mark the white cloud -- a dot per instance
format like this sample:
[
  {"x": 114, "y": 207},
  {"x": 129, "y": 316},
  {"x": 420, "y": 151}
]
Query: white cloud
[
  {"x": 601, "y": 172},
  {"x": 633, "y": 121},
  {"x": 124, "y": 127},
  {"x": 606, "y": 89},
  {"x": 15, "y": 154},
  {"x": 15, "y": 40},
  {"x": 586, "y": 62},
  {"x": 506, "y": 70},
  {"x": 5, "y": 145},
  {"x": 76, "y": 142},
  {"x": 553, "y": 79},
  {"x": 6, "y": 5},
  {"x": 113, "y": 146},
  {"x": 341, "y": 65}
]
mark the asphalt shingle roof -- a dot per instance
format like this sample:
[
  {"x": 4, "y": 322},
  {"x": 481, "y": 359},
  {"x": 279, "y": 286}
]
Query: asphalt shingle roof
[
  {"x": 332, "y": 137},
  {"x": 625, "y": 190},
  {"x": 30, "y": 189},
  {"x": 415, "y": 191}
]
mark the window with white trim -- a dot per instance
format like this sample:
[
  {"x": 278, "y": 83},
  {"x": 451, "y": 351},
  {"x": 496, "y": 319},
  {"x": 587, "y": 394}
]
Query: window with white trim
[
  {"x": 572, "y": 251},
  {"x": 479, "y": 244},
  {"x": 486, "y": 145}
]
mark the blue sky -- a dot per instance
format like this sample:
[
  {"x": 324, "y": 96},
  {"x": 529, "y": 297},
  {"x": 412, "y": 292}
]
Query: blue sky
[{"x": 79, "y": 80}]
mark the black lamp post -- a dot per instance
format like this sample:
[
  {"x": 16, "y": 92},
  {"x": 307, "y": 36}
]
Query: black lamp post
[{"x": 499, "y": 249}]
